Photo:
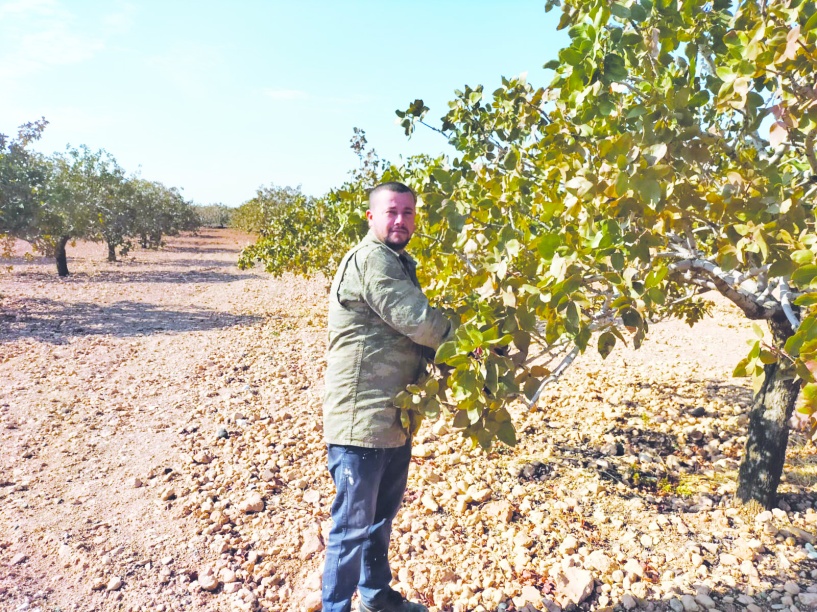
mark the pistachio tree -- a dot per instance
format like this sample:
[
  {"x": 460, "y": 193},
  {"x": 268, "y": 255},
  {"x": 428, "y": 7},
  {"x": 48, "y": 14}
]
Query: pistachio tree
[
  {"x": 259, "y": 212},
  {"x": 672, "y": 154},
  {"x": 306, "y": 235},
  {"x": 23, "y": 176},
  {"x": 87, "y": 198},
  {"x": 214, "y": 215}
]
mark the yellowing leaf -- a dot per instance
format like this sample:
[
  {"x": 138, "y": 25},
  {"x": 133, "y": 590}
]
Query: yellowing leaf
[
  {"x": 778, "y": 134},
  {"x": 655, "y": 153},
  {"x": 792, "y": 43}
]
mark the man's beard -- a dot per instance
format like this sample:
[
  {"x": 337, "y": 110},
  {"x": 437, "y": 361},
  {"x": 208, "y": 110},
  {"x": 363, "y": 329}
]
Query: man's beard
[{"x": 398, "y": 244}]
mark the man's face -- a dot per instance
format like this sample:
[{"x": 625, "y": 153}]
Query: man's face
[{"x": 391, "y": 218}]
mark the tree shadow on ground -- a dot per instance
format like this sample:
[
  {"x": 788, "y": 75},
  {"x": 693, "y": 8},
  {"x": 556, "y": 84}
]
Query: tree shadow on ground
[
  {"x": 133, "y": 275},
  {"x": 210, "y": 273},
  {"x": 57, "y": 322},
  {"x": 635, "y": 458},
  {"x": 194, "y": 249},
  {"x": 200, "y": 263}
]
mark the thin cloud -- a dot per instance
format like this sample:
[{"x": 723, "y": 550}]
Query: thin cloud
[
  {"x": 39, "y": 34},
  {"x": 19, "y": 7},
  {"x": 121, "y": 19}
]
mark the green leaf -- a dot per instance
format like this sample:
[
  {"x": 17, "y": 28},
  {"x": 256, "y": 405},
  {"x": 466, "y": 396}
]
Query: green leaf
[
  {"x": 636, "y": 111},
  {"x": 431, "y": 409},
  {"x": 502, "y": 415},
  {"x": 446, "y": 351},
  {"x": 804, "y": 275},
  {"x": 631, "y": 318},
  {"x": 405, "y": 419},
  {"x": 654, "y": 153},
  {"x": 607, "y": 341},
  {"x": 807, "y": 299},
  {"x": 649, "y": 189},
  {"x": 638, "y": 13},
  {"x": 615, "y": 68},
  {"x": 657, "y": 296},
  {"x": 740, "y": 370},
  {"x": 810, "y": 24},
  {"x": 491, "y": 376},
  {"x": 461, "y": 420},
  {"x": 619, "y": 10},
  {"x": 655, "y": 277},
  {"x": 511, "y": 159},
  {"x": 474, "y": 414},
  {"x": 781, "y": 267},
  {"x": 808, "y": 399},
  {"x": 571, "y": 56},
  {"x": 507, "y": 434},
  {"x": 572, "y": 317},
  {"x": 474, "y": 335},
  {"x": 698, "y": 99},
  {"x": 767, "y": 357},
  {"x": 547, "y": 245}
]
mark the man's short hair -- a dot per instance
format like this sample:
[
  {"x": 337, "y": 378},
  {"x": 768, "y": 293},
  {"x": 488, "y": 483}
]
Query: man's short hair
[{"x": 394, "y": 187}]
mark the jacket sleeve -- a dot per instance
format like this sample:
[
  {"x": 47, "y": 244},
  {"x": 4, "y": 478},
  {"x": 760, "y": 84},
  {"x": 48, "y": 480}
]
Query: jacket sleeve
[{"x": 389, "y": 292}]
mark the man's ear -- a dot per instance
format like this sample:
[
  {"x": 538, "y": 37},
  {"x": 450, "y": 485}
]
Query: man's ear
[{"x": 369, "y": 215}]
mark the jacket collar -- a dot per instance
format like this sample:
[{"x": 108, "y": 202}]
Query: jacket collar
[{"x": 370, "y": 237}]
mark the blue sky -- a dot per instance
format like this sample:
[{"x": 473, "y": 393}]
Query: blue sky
[{"x": 219, "y": 98}]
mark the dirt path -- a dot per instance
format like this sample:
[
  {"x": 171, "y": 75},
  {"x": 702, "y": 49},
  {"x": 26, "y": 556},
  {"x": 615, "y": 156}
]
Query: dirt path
[
  {"x": 102, "y": 371},
  {"x": 161, "y": 449}
]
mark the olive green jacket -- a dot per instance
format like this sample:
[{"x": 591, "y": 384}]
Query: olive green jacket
[{"x": 380, "y": 324}]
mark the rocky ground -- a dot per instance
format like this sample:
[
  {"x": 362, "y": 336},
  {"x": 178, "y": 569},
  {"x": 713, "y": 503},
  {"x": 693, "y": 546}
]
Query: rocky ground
[{"x": 161, "y": 450}]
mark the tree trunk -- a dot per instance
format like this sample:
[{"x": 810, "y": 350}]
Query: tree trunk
[
  {"x": 60, "y": 257},
  {"x": 111, "y": 252},
  {"x": 768, "y": 433}
]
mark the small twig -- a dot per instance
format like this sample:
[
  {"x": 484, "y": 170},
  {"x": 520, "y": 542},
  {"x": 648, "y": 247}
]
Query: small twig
[
  {"x": 810, "y": 193},
  {"x": 779, "y": 352},
  {"x": 431, "y": 127},
  {"x": 751, "y": 273},
  {"x": 810, "y": 155},
  {"x": 548, "y": 351},
  {"x": 778, "y": 155},
  {"x": 554, "y": 375},
  {"x": 691, "y": 242}
]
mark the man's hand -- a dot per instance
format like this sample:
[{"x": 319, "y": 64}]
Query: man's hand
[{"x": 479, "y": 352}]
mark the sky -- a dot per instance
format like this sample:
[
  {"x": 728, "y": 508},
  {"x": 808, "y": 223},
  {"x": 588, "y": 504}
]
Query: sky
[{"x": 219, "y": 98}]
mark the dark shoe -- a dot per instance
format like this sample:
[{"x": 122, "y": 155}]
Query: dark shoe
[{"x": 392, "y": 602}]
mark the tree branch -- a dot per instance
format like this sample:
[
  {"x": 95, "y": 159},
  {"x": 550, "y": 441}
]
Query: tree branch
[
  {"x": 554, "y": 376},
  {"x": 726, "y": 285},
  {"x": 810, "y": 155},
  {"x": 785, "y": 303}
]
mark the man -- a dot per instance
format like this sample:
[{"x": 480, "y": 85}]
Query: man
[{"x": 380, "y": 326}]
